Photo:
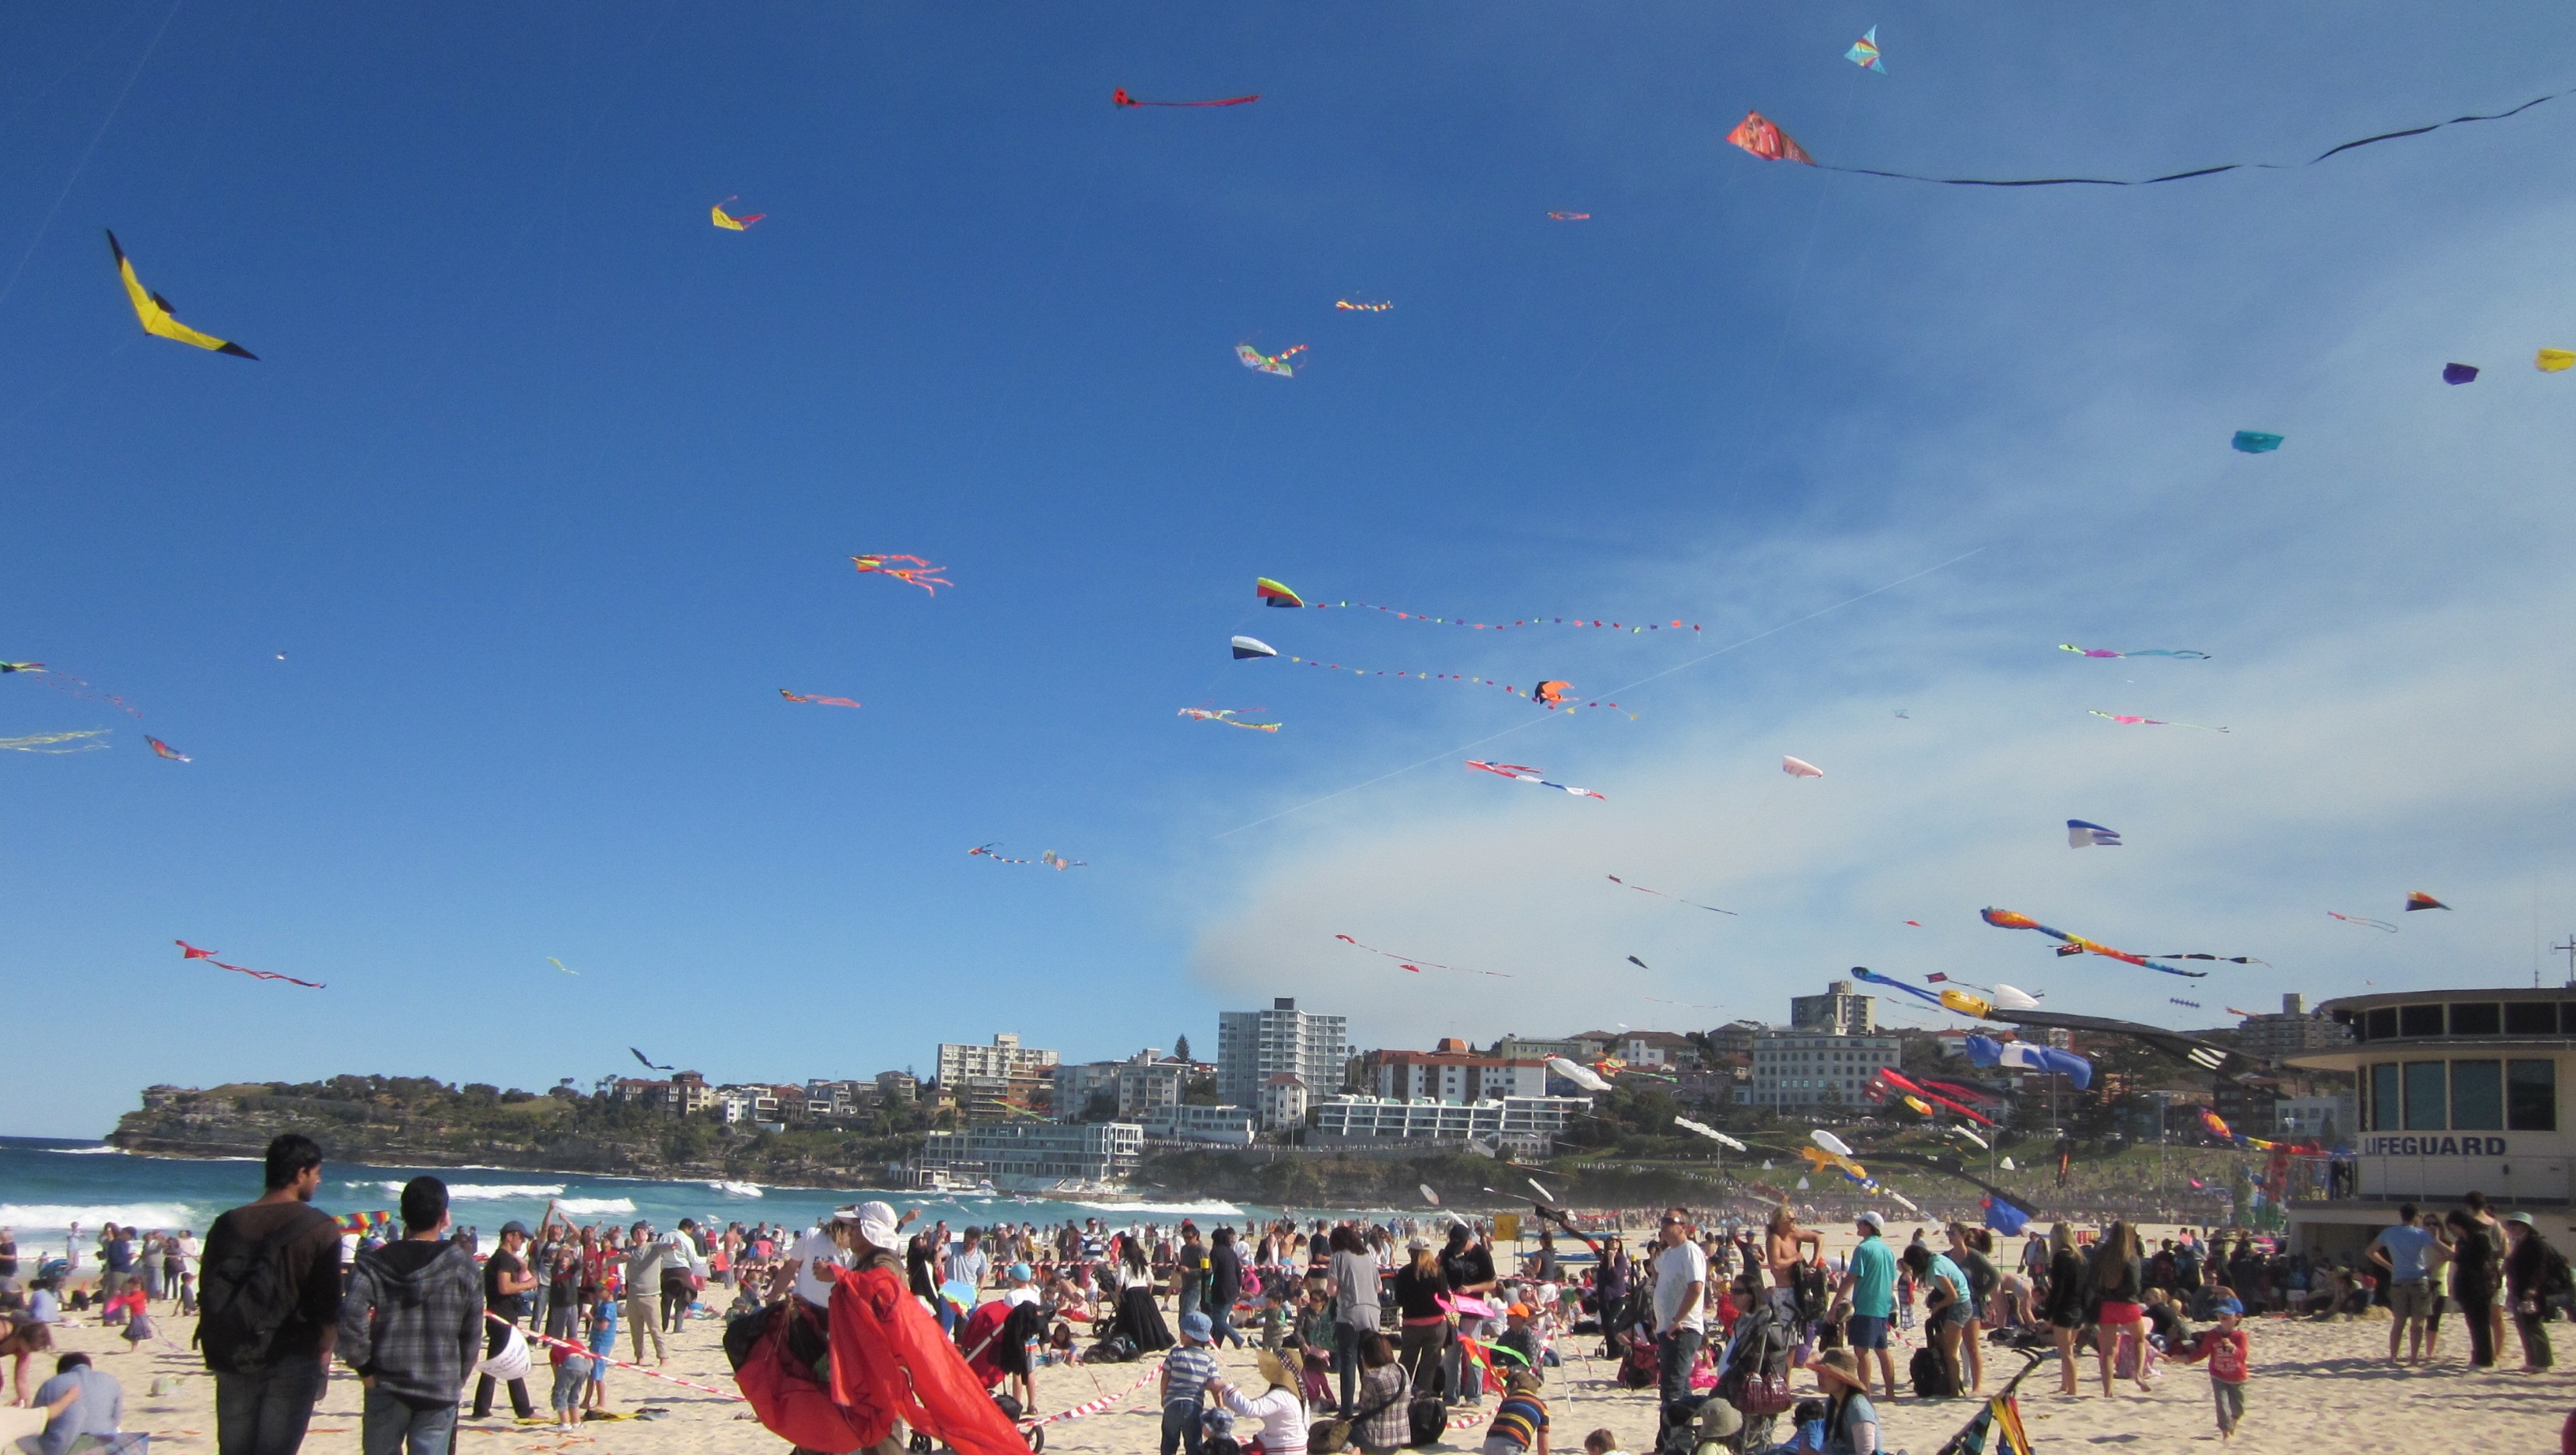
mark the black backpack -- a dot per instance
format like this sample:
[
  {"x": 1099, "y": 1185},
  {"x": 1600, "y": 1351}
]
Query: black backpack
[
  {"x": 245, "y": 1298},
  {"x": 1116, "y": 1349},
  {"x": 1931, "y": 1376},
  {"x": 1809, "y": 1280},
  {"x": 2557, "y": 1279},
  {"x": 1429, "y": 1417}
]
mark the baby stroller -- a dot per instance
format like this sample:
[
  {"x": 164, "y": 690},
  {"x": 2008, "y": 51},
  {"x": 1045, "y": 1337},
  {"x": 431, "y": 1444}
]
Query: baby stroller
[{"x": 995, "y": 1339}]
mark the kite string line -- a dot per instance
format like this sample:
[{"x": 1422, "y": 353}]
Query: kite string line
[
  {"x": 1668, "y": 671},
  {"x": 90, "y": 151}
]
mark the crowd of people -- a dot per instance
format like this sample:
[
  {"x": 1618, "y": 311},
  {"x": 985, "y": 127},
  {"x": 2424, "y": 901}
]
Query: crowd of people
[{"x": 1368, "y": 1334}]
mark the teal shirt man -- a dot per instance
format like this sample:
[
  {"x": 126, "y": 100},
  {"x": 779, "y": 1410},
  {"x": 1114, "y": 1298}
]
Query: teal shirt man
[{"x": 1873, "y": 1278}]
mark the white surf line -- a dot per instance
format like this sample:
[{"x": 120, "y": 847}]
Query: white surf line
[{"x": 1668, "y": 671}]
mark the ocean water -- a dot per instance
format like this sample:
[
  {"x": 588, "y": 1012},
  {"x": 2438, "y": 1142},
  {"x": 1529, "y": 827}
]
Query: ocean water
[{"x": 47, "y": 1184}]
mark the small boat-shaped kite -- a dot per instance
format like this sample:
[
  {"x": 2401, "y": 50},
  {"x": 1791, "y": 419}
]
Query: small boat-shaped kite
[
  {"x": 2154, "y": 721},
  {"x": 1119, "y": 97},
  {"x": 1261, "y": 363},
  {"x": 1800, "y": 768},
  {"x": 1274, "y": 593},
  {"x": 2255, "y": 442},
  {"x": 167, "y": 751},
  {"x": 2420, "y": 900},
  {"x": 2554, "y": 361},
  {"x": 817, "y": 701},
  {"x": 2459, "y": 373},
  {"x": 2082, "y": 835},
  {"x": 1253, "y": 647},
  {"x": 731, "y": 223}
]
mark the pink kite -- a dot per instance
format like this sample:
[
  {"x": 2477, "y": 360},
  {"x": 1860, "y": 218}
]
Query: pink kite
[
  {"x": 1418, "y": 966},
  {"x": 1800, "y": 768},
  {"x": 1119, "y": 97},
  {"x": 918, "y": 573},
  {"x": 817, "y": 701}
]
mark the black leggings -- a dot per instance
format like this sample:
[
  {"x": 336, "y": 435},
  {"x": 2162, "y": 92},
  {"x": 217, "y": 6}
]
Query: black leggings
[
  {"x": 677, "y": 1295},
  {"x": 1420, "y": 1354},
  {"x": 494, "y": 1336},
  {"x": 2477, "y": 1310}
]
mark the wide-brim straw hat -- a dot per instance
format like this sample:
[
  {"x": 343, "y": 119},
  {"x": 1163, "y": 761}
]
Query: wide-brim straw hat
[
  {"x": 1275, "y": 1370},
  {"x": 1841, "y": 1364}
]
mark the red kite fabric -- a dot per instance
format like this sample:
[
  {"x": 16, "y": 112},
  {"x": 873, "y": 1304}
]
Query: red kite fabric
[
  {"x": 1757, "y": 134},
  {"x": 1120, "y": 97},
  {"x": 817, "y": 701},
  {"x": 890, "y": 1361}
]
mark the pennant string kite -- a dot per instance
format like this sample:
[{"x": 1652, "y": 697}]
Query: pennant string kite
[
  {"x": 1549, "y": 695},
  {"x": 992, "y": 852},
  {"x": 1571, "y": 216},
  {"x": 1261, "y": 363},
  {"x": 69, "y": 685},
  {"x": 190, "y": 952},
  {"x": 817, "y": 701},
  {"x": 2005, "y": 919},
  {"x": 1761, "y": 137},
  {"x": 1274, "y": 593},
  {"x": 1348, "y": 306},
  {"x": 1523, "y": 774},
  {"x": 1659, "y": 894},
  {"x": 1119, "y": 97},
  {"x": 917, "y": 574},
  {"x": 154, "y": 312},
  {"x": 1418, "y": 966}
]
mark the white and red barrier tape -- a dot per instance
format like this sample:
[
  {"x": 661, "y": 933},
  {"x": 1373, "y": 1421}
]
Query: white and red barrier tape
[
  {"x": 1095, "y": 1406},
  {"x": 583, "y": 1350}
]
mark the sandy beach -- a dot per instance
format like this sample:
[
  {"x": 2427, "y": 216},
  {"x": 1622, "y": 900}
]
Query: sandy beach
[{"x": 2310, "y": 1380}]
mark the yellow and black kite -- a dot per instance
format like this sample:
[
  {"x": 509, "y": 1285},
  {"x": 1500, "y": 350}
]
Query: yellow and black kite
[{"x": 153, "y": 311}]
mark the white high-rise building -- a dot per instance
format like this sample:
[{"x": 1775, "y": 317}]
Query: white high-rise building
[
  {"x": 1254, "y": 1045},
  {"x": 1005, "y": 1058}
]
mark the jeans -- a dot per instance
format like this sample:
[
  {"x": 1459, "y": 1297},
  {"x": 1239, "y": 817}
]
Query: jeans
[
  {"x": 1347, "y": 1339},
  {"x": 639, "y": 1317},
  {"x": 1221, "y": 1315},
  {"x": 1181, "y": 1427},
  {"x": 1680, "y": 1350},
  {"x": 265, "y": 1414},
  {"x": 2231, "y": 1403},
  {"x": 494, "y": 1336},
  {"x": 1189, "y": 1302},
  {"x": 387, "y": 1426}
]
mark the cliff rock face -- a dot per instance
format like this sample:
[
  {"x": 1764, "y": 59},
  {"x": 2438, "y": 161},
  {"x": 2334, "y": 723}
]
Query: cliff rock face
[{"x": 417, "y": 1122}]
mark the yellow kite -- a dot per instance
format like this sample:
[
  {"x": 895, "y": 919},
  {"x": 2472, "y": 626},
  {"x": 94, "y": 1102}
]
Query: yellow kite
[{"x": 153, "y": 311}]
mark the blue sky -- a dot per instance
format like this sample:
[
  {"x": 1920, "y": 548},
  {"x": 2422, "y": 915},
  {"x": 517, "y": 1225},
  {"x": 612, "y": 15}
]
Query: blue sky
[{"x": 544, "y": 488}]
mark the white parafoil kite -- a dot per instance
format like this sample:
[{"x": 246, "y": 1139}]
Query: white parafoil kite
[
  {"x": 1800, "y": 768},
  {"x": 1712, "y": 1133},
  {"x": 1580, "y": 1075}
]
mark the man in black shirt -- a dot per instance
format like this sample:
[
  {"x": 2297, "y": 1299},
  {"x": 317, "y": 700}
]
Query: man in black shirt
[
  {"x": 268, "y": 1336},
  {"x": 506, "y": 1282}
]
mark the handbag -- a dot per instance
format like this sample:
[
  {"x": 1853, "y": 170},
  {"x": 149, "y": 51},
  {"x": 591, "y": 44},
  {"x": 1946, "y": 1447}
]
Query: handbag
[{"x": 1332, "y": 1434}]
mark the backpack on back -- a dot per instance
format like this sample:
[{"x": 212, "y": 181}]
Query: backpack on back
[{"x": 245, "y": 1298}]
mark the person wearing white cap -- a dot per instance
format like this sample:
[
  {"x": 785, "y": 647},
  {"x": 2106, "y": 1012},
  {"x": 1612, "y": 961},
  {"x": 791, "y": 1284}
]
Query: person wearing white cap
[
  {"x": 1871, "y": 1286},
  {"x": 847, "y": 1239}
]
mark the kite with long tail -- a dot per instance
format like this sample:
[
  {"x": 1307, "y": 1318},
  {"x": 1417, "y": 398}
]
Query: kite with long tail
[
  {"x": 2005, "y": 919},
  {"x": 649, "y": 1063},
  {"x": 1120, "y": 98},
  {"x": 2363, "y": 919},
  {"x": 44, "y": 742},
  {"x": 1261, "y": 363},
  {"x": 1347, "y": 306},
  {"x": 817, "y": 701},
  {"x": 2155, "y": 721},
  {"x": 917, "y": 574},
  {"x": 1659, "y": 894},
  {"x": 1225, "y": 716},
  {"x": 69, "y": 685},
  {"x": 992, "y": 852},
  {"x": 1761, "y": 137},
  {"x": 1520, "y": 773},
  {"x": 2185, "y": 652},
  {"x": 1884, "y": 1080},
  {"x": 1274, "y": 593},
  {"x": 1418, "y": 966},
  {"x": 190, "y": 952}
]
